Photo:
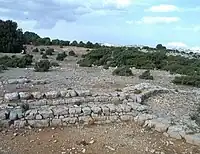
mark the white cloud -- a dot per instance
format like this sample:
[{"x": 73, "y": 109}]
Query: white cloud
[
  {"x": 48, "y": 13},
  {"x": 118, "y": 3},
  {"x": 157, "y": 20},
  {"x": 163, "y": 8},
  {"x": 176, "y": 45},
  {"x": 194, "y": 28},
  {"x": 129, "y": 22}
]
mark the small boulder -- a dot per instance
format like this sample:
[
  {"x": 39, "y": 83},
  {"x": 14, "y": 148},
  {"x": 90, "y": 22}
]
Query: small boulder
[{"x": 11, "y": 96}]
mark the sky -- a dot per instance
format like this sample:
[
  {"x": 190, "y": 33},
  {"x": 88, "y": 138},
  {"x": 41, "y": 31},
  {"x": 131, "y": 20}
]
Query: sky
[{"x": 174, "y": 23}]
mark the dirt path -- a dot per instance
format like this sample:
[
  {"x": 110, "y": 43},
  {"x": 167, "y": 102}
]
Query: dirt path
[{"x": 112, "y": 139}]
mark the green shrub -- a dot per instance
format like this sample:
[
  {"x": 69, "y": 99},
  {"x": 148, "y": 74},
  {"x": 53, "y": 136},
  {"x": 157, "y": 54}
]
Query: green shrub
[
  {"x": 84, "y": 63},
  {"x": 49, "y": 51},
  {"x": 123, "y": 71},
  {"x": 44, "y": 56},
  {"x": 187, "y": 80},
  {"x": 35, "y": 50},
  {"x": 42, "y": 49},
  {"x": 55, "y": 64},
  {"x": 146, "y": 75},
  {"x": 61, "y": 56},
  {"x": 61, "y": 46},
  {"x": 106, "y": 67},
  {"x": 15, "y": 61},
  {"x": 137, "y": 91},
  {"x": 42, "y": 66},
  {"x": 72, "y": 53}
]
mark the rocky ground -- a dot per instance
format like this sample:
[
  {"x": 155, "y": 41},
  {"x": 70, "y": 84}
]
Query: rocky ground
[
  {"x": 114, "y": 139},
  {"x": 110, "y": 138}
]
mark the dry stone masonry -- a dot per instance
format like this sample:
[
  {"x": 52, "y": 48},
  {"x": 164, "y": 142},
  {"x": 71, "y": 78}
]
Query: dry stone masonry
[{"x": 70, "y": 107}]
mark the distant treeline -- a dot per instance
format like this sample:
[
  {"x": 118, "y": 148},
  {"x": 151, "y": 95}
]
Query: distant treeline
[{"x": 12, "y": 39}]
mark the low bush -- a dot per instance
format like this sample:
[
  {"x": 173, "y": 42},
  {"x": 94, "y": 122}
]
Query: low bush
[
  {"x": 55, "y": 64},
  {"x": 61, "y": 46},
  {"x": 42, "y": 49},
  {"x": 42, "y": 66},
  {"x": 15, "y": 61},
  {"x": 123, "y": 71},
  {"x": 84, "y": 63},
  {"x": 106, "y": 67},
  {"x": 2, "y": 68},
  {"x": 35, "y": 50},
  {"x": 72, "y": 53},
  {"x": 187, "y": 80},
  {"x": 146, "y": 75},
  {"x": 44, "y": 56},
  {"x": 61, "y": 56},
  {"x": 49, "y": 51}
]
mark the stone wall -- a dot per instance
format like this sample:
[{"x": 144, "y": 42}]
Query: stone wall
[{"x": 70, "y": 107}]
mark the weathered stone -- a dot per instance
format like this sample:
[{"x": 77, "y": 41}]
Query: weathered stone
[
  {"x": 141, "y": 118},
  {"x": 60, "y": 110},
  {"x": 72, "y": 111},
  {"x": 100, "y": 118},
  {"x": 160, "y": 124},
  {"x": 106, "y": 110},
  {"x": 11, "y": 96},
  {"x": 193, "y": 139},
  {"x": 63, "y": 93},
  {"x": 38, "y": 95},
  {"x": 61, "y": 117},
  {"x": 116, "y": 100},
  {"x": 70, "y": 120},
  {"x": 56, "y": 122},
  {"x": 125, "y": 108},
  {"x": 25, "y": 95},
  {"x": 39, "y": 123},
  {"x": 78, "y": 110},
  {"x": 46, "y": 113},
  {"x": 138, "y": 98},
  {"x": 112, "y": 108},
  {"x": 31, "y": 114},
  {"x": 40, "y": 82},
  {"x": 4, "y": 114},
  {"x": 84, "y": 93},
  {"x": 85, "y": 120},
  {"x": 40, "y": 102},
  {"x": 133, "y": 97},
  {"x": 113, "y": 118},
  {"x": 16, "y": 114},
  {"x": 126, "y": 118},
  {"x": 176, "y": 131},
  {"x": 142, "y": 108},
  {"x": 19, "y": 123},
  {"x": 72, "y": 93},
  {"x": 58, "y": 101},
  {"x": 96, "y": 110},
  {"x": 18, "y": 81},
  {"x": 86, "y": 110},
  {"x": 52, "y": 94},
  {"x": 38, "y": 117},
  {"x": 4, "y": 123},
  {"x": 101, "y": 99}
]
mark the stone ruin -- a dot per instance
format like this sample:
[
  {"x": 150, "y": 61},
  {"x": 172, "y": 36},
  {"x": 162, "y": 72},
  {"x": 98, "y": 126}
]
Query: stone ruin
[{"x": 71, "y": 107}]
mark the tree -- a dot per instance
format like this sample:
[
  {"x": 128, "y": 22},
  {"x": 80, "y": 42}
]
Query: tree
[
  {"x": 89, "y": 45},
  {"x": 160, "y": 47},
  {"x": 30, "y": 37},
  {"x": 74, "y": 43},
  {"x": 11, "y": 38},
  {"x": 81, "y": 44}
]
